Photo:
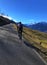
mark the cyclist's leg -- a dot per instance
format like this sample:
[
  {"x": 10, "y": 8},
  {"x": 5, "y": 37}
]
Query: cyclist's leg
[{"x": 20, "y": 35}]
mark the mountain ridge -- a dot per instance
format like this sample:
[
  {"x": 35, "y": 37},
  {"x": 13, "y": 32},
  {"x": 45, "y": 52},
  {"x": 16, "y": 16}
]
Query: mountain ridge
[{"x": 41, "y": 26}]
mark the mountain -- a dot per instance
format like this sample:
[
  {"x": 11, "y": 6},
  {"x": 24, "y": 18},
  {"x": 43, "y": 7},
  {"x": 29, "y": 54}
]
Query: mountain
[
  {"x": 15, "y": 52},
  {"x": 5, "y": 20},
  {"x": 41, "y": 26}
]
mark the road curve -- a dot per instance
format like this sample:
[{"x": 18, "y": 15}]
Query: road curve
[{"x": 15, "y": 52}]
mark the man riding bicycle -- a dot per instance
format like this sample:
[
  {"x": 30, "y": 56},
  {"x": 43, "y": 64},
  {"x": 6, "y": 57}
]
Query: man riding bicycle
[{"x": 20, "y": 30}]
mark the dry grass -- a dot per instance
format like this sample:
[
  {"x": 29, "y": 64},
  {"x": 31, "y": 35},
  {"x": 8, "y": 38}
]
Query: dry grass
[
  {"x": 38, "y": 39},
  {"x": 35, "y": 37}
]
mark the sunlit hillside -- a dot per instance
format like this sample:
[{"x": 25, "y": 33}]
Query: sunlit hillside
[
  {"x": 33, "y": 36},
  {"x": 36, "y": 38}
]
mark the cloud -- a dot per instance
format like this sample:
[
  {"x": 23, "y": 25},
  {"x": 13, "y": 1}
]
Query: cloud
[
  {"x": 8, "y": 17},
  {"x": 32, "y": 21},
  {"x": 14, "y": 20}
]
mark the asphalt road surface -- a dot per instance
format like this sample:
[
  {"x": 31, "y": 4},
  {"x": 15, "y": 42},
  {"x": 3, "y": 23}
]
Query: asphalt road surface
[{"x": 15, "y": 52}]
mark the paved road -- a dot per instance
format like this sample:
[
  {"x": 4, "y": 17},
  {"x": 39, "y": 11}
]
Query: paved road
[{"x": 15, "y": 52}]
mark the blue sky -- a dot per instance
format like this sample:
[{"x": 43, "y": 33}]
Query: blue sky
[{"x": 26, "y": 11}]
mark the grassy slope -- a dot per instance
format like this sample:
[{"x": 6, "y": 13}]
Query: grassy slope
[
  {"x": 37, "y": 39},
  {"x": 34, "y": 37}
]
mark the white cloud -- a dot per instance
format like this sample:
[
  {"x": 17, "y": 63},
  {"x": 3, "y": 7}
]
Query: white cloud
[
  {"x": 32, "y": 21},
  {"x": 8, "y": 17},
  {"x": 14, "y": 20}
]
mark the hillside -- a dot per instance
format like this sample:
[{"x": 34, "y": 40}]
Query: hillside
[
  {"x": 36, "y": 39},
  {"x": 5, "y": 21},
  {"x": 10, "y": 42},
  {"x": 15, "y": 52}
]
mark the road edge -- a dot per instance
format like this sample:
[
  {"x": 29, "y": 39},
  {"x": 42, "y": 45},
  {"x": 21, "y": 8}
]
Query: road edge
[{"x": 40, "y": 57}]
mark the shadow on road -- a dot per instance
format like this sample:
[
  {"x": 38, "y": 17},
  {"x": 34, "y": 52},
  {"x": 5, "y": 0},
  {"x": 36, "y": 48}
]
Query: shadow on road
[{"x": 31, "y": 46}]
